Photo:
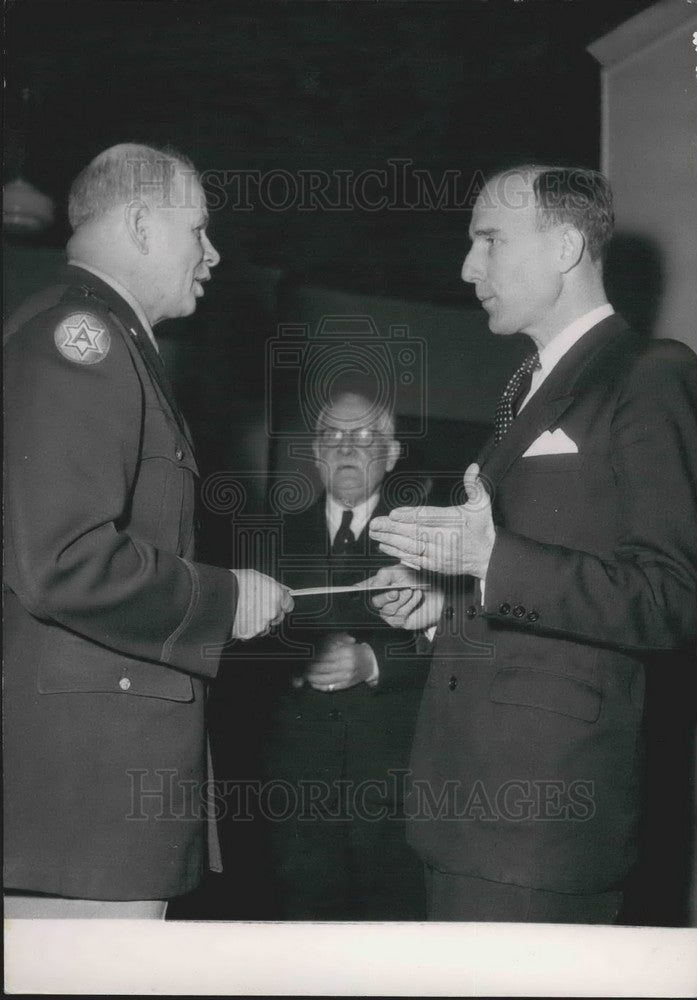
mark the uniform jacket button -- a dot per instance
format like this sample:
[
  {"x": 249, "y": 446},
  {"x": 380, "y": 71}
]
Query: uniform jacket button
[
  {"x": 533, "y": 615},
  {"x": 448, "y": 612},
  {"x": 471, "y": 611},
  {"x": 505, "y": 609},
  {"x": 518, "y": 611},
  {"x": 452, "y": 683},
  {"x": 179, "y": 454},
  {"x": 124, "y": 683}
]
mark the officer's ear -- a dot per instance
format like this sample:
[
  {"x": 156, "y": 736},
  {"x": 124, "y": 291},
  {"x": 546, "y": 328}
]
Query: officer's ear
[{"x": 137, "y": 218}]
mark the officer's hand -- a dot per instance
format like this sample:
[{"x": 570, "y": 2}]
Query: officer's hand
[
  {"x": 262, "y": 604},
  {"x": 342, "y": 663},
  {"x": 412, "y": 606}
]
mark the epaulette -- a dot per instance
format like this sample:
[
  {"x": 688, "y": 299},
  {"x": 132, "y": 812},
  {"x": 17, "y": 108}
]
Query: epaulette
[{"x": 83, "y": 293}]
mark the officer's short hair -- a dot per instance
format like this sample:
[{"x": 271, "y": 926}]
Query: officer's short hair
[{"x": 122, "y": 174}]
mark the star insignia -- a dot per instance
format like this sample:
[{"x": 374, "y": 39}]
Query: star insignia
[{"x": 82, "y": 338}]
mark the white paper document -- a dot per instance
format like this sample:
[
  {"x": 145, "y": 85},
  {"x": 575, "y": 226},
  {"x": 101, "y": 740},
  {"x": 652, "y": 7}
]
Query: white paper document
[{"x": 364, "y": 585}]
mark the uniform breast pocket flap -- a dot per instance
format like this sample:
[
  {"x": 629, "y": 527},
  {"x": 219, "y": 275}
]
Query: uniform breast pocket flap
[{"x": 164, "y": 440}]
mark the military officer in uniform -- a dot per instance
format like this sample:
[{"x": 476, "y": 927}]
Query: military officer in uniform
[{"x": 112, "y": 628}]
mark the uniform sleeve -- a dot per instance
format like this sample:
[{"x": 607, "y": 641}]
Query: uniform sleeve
[
  {"x": 645, "y": 597},
  {"x": 73, "y": 439}
]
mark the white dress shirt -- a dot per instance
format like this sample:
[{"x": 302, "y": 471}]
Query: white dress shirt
[
  {"x": 362, "y": 513},
  {"x": 554, "y": 351}
]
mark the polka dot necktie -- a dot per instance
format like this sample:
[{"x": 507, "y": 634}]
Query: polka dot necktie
[
  {"x": 344, "y": 540},
  {"x": 516, "y": 390}
]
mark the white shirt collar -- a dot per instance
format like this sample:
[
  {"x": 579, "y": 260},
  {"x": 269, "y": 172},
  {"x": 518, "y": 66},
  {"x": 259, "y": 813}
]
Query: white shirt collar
[
  {"x": 554, "y": 351},
  {"x": 362, "y": 513},
  {"x": 124, "y": 293}
]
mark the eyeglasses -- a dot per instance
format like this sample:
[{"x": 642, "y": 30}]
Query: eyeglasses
[{"x": 359, "y": 437}]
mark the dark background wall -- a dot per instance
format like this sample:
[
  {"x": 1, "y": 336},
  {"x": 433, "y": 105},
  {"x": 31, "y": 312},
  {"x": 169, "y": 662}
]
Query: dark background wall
[{"x": 264, "y": 86}]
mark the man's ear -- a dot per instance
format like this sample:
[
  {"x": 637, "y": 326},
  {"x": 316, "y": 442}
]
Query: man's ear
[
  {"x": 137, "y": 219},
  {"x": 572, "y": 243},
  {"x": 394, "y": 449}
]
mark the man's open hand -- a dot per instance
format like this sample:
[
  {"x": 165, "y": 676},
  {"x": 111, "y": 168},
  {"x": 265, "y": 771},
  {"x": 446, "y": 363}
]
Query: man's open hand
[{"x": 448, "y": 540}]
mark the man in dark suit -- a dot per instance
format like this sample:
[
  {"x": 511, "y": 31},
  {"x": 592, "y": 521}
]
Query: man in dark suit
[
  {"x": 111, "y": 627},
  {"x": 573, "y": 562},
  {"x": 349, "y": 692}
]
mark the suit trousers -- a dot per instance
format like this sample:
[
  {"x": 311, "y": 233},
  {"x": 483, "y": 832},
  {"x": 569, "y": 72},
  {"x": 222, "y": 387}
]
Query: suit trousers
[
  {"x": 464, "y": 897},
  {"x": 20, "y": 906}
]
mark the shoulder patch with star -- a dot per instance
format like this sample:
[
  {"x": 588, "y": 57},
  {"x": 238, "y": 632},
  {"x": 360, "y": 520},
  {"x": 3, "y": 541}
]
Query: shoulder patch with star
[{"x": 83, "y": 338}]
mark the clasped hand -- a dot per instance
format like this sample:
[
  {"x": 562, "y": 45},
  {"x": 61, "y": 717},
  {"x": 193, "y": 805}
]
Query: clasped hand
[
  {"x": 341, "y": 663},
  {"x": 262, "y": 604},
  {"x": 448, "y": 540}
]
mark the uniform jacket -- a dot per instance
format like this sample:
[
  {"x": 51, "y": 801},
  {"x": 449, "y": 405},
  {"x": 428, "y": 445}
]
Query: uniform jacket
[
  {"x": 111, "y": 628},
  {"x": 361, "y": 732},
  {"x": 530, "y": 729}
]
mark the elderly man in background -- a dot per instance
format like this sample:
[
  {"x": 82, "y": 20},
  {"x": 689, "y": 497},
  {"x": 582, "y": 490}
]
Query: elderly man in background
[
  {"x": 345, "y": 709},
  {"x": 111, "y": 626},
  {"x": 571, "y": 567}
]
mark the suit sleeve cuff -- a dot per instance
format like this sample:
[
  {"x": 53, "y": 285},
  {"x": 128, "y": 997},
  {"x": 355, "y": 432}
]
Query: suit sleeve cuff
[{"x": 511, "y": 590}]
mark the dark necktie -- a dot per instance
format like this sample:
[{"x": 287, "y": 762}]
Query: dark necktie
[
  {"x": 516, "y": 390},
  {"x": 344, "y": 540}
]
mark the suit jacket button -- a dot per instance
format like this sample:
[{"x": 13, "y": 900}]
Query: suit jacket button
[
  {"x": 179, "y": 454},
  {"x": 452, "y": 683},
  {"x": 505, "y": 609},
  {"x": 124, "y": 683},
  {"x": 471, "y": 611},
  {"x": 448, "y": 612},
  {"x": 518, "y": 611},
  {"x": 533, "y": 616},
  {"x": 335, "y": 715}
]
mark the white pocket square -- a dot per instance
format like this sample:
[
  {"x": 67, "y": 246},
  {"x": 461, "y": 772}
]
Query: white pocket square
[{"x": 552, "y": 443}]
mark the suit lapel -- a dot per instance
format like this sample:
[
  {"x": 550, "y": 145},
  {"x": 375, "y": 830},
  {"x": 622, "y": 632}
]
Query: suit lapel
[
  {"x": 306, "y": 533},
  {"x": 552, "y": 399}
]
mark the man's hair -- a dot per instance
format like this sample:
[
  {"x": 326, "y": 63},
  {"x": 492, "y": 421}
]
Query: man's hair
[
  {"x": 122, "y": 174},
  {"x": 574, "y": 195},
  {"x": 377, "y": 411}
]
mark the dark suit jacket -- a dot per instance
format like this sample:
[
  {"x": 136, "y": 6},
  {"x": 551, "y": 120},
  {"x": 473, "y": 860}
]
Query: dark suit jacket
[
  {"x": 379, "y": 721},
  {"x": 106, "y": 613},
  {"x": 534, "y": 703}
]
